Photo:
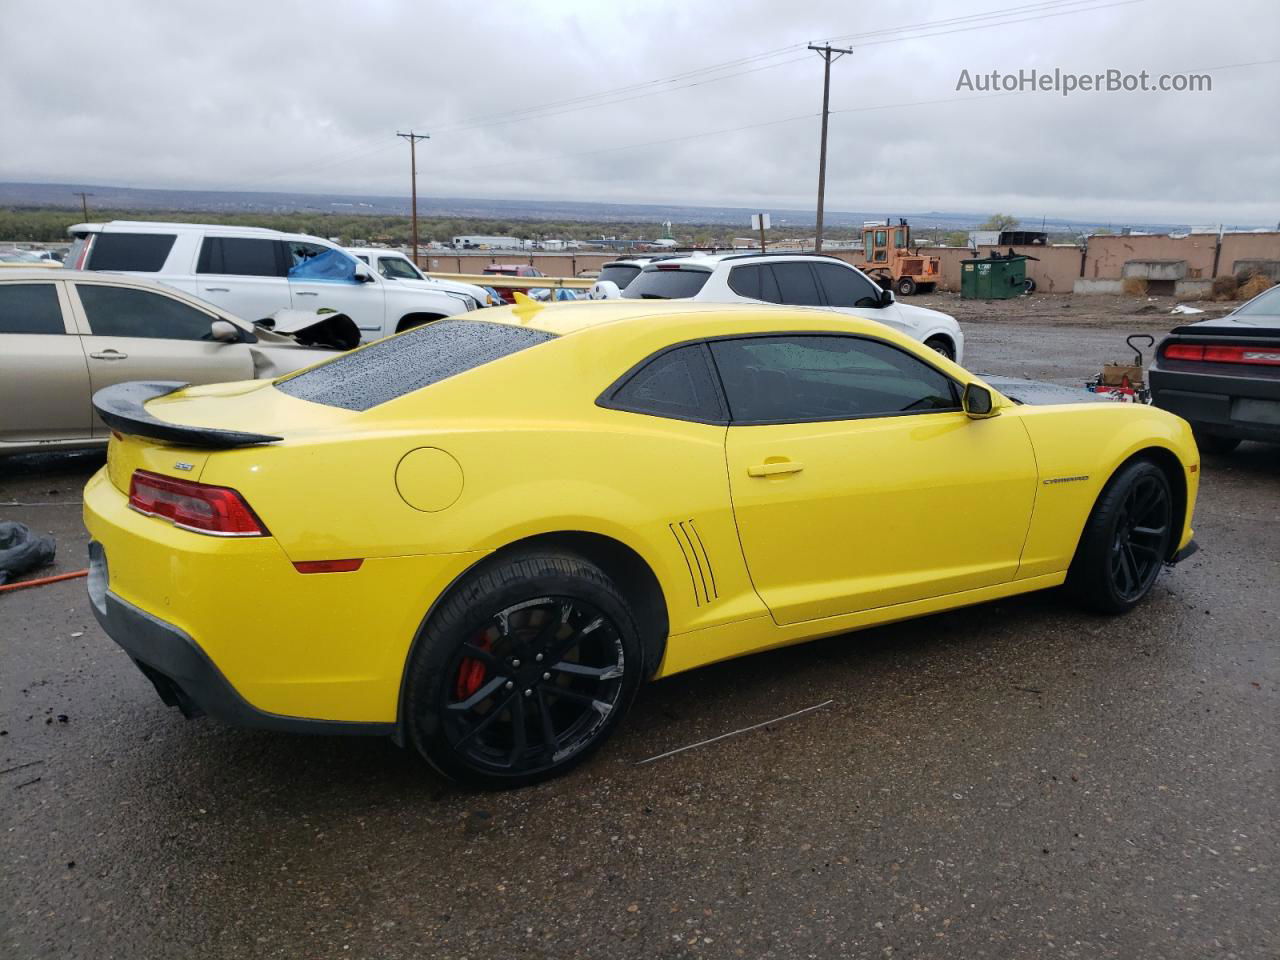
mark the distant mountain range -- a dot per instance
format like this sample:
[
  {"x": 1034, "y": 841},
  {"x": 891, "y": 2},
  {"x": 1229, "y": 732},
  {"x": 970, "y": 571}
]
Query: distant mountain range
[{"x": 220, "y": 201}]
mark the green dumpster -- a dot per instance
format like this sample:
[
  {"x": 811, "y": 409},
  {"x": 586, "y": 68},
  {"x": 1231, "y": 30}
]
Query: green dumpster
[{"x": 997, "y": 277}]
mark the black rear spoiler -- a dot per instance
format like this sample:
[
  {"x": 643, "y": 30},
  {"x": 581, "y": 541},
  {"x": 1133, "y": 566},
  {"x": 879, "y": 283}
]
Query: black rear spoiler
[{"x": 122, "y": 408}]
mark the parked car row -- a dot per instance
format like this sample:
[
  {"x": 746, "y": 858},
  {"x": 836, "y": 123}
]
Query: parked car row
[{"x": 254, "y": 272}]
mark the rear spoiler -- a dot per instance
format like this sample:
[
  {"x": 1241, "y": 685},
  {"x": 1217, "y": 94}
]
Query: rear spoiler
[{"x": 122, "y": 408}]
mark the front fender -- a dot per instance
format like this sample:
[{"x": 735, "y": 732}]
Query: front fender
[{"x": 1078, "y": 449}]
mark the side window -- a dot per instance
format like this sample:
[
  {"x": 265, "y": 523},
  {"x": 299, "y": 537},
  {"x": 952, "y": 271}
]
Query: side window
[
  {"x": 393, "y": 268},
  {"x": 846, "y": 287},
  {"x": 745, "y": 281},
  {"x": 30, "y": 308},
  {"x": 239, "y": 256},
  {"x": 125, "y": 312},
  {"x": 300, "y": 251},
  {"x": 803, "y": 378},
  {"x": 796, "y": 284},
  {"x": 677, "y": 384},
  {"x": 139, "y": 252}
]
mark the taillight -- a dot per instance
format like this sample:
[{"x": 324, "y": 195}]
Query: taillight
[
  {"x": 1223, "y": 353},
  {"x": 201, "y": 507}
]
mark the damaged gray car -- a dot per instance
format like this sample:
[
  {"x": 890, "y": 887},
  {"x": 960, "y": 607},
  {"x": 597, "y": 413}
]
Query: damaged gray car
[{"x": 66, "y": 335}]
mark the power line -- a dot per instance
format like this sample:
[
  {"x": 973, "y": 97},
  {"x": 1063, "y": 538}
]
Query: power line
[{"x": 1041, "y": 10}]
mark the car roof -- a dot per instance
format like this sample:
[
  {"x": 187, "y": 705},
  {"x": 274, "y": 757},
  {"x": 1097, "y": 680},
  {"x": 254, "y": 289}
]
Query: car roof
[
  {"x": 221, "y": 229},
  {"x": 567, "y": 317},
  {"x": 712, "y": 260},
  {"x": 377, "y": 252},
  {"x": 97, "y": 276}
]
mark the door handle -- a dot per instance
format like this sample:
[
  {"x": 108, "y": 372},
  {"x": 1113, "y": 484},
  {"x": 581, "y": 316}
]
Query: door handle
[
  {"x": 109, "y": 355},
  {"x": 774, "y": 468},
  {"x": 217, "y": 289},
  {"x": 307, "y": 293}
]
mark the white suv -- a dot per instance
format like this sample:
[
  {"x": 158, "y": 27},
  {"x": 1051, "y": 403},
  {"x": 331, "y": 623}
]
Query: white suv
[
  {"x": 801, "y": 280},
  {"x": 253, "y": 272}
]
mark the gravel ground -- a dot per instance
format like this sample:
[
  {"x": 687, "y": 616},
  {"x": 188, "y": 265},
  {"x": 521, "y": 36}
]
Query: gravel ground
[{"x": 1011, "y": 780}]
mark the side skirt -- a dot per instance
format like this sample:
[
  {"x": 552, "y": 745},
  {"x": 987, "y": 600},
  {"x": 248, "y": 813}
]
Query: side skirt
[{"x": 727, "y": 640}]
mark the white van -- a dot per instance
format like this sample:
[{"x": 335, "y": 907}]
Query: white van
[{"x": 254, "y": 272}]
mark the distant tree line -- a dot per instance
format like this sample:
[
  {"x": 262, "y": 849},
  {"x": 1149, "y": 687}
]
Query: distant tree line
[{"x": 44, "y": 224}]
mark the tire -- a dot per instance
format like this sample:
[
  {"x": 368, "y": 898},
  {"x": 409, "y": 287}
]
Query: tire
[
  {"x": 538, "y": 638},
  {"x": 941, "y": 345},
  {"x": 905, "y": 286},
  {"x": 1028, "y": 285},
  {"x": 416, "y": 320},
  {"x": 1215, "y": 443},
  {"x": 1125, "y": 541}
]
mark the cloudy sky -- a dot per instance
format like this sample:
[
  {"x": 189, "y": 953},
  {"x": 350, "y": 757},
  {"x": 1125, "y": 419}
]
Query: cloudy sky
[{"x": 710, "y": 102}]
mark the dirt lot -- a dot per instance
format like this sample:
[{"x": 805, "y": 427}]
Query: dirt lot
[{"x": 1011, "y": 780}]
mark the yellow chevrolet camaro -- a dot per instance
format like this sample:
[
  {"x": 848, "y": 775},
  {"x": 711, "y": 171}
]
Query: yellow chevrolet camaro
[{"x": 481, "y": 535}]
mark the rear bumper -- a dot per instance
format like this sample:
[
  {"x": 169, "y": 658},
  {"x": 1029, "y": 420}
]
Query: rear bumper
[
  {"x": 228, "y": 627},
  {"x": 1188, "y": 550},
  {"x": 182, "y": 673},
  {"x": 1247, "y": 408}
]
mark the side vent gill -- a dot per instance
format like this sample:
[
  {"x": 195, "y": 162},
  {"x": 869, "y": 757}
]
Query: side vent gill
[{"x": 702, "y": 577}]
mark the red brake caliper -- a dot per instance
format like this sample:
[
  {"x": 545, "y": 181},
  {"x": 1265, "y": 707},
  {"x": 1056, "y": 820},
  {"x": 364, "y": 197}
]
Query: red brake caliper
[{"x": 471, "y": 672}]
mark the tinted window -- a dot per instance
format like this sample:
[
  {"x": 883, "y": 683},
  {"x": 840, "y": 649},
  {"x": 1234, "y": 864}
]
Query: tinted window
[
  {"x": 675, "y": 384},
  {"x": 399, "y": 365},
  {"x": 756, "y": 282},
  {"x": 122, "y": 312},
  {"x": 668, "y": 284},
  {"x": 845, "y": 287},
  {"x": 621, "y": 274},
  {"x": 30, "y": 308},
  {"x": 240, "y": 256},
  {"x": 803, "y": 378},
  {"x": 1264, "y": 305},
  {"x": 143, "y": 252},
  {"x": 397, "y": 269},
  {"x": 795, "y": 284}
]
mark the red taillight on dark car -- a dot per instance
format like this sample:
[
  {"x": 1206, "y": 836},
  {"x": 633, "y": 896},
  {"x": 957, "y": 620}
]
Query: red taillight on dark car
[
  {"x": 1224, "y": 353},
  {"x": 201, "y": 507}
]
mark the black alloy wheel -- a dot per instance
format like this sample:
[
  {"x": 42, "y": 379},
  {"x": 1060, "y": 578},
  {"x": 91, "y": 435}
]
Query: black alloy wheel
[
  {"x": 525, "y": 667},
  {"x": 1141, "y": 540},
  {"x": 534, "y": 686},
  {"x": 1127, "y": 538}
]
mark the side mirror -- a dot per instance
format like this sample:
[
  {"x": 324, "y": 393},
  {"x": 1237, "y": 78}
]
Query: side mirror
[
  {"x": 363, "y": 274},
  {"x": 224, "y": 331},
  {"x": 886, "y": 298},
  {"x": 605, "y": 290},
  {"x": 978, "y": 403}
]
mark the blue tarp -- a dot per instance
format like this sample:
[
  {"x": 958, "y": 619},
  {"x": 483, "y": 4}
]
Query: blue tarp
[{"x": 331, "y": 265}]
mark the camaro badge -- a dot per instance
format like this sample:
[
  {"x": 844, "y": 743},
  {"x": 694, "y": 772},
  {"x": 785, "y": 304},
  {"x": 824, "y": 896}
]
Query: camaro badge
[
  {"x": 1067, "y": 479},
  {"x": 183, "y": 465}
]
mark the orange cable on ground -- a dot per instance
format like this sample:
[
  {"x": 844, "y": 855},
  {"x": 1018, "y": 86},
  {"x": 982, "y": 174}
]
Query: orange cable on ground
[{"x": 43, "y": 580}]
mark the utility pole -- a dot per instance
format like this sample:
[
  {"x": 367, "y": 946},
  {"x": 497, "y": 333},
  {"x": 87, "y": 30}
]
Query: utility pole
[
  {"x": 84, "y": 201},
  {"x": 413, "y": 139},
  {"x": 829, "y": 53}
]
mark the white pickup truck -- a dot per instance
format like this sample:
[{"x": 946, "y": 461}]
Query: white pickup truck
[
  {"x": 394, "y": 265},
  {"x": 254, "y": 273}
]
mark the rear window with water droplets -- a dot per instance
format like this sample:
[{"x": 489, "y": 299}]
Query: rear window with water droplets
[{"x": 400, "y": 365}]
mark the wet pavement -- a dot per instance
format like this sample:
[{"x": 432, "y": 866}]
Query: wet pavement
[{"x": 1012, "y": 780}]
